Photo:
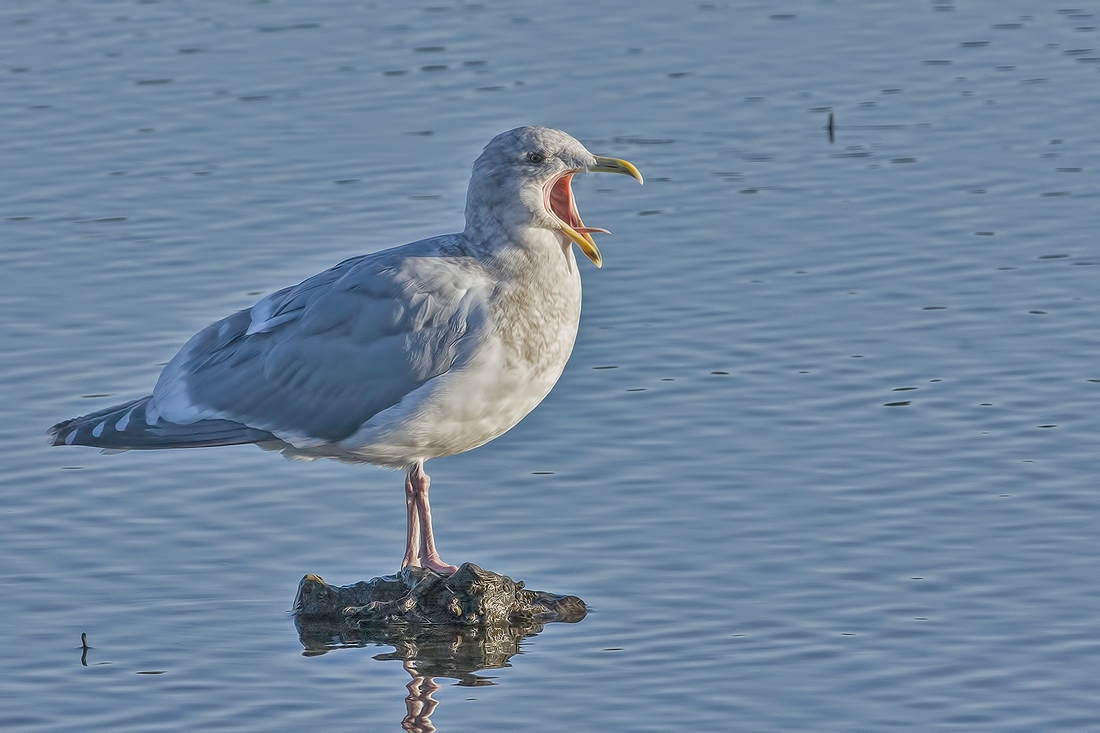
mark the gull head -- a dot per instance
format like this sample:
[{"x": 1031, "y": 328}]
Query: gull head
[{"x": 523, "y": 179}]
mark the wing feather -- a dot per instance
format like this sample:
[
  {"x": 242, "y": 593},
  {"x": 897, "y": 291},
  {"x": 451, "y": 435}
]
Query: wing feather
[{"x": 317, "y": 361}]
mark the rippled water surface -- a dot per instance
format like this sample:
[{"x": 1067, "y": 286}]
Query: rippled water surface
[{"x": 825, "y": 457}]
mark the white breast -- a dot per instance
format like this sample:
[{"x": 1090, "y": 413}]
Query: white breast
[{"x": 520, "y": 354}]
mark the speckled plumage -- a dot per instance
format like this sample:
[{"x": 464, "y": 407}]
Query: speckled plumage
[{"x": 392, "y": 358}]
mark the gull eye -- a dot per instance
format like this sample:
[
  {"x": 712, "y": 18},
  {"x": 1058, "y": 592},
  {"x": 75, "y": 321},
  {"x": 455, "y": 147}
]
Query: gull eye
[{"x": 535, "y": 158}]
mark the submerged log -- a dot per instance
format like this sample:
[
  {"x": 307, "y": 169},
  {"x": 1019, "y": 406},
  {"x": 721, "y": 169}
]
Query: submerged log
[{"x": 471, "y": 596}]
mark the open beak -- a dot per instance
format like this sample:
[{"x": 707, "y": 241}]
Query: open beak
[{"x": 560, "y": 202}]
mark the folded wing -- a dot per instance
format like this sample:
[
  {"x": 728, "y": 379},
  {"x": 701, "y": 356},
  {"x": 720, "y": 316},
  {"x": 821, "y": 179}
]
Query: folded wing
[{"x": 311, "y": 364}]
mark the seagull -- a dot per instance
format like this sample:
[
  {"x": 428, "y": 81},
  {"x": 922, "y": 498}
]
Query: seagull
[{"x": 392, "y": 358}]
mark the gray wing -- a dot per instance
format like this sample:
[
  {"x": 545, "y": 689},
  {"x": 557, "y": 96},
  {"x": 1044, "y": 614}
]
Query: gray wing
[{"x": 315, "y": 362}]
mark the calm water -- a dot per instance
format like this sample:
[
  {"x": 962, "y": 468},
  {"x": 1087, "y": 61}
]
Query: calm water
[{"x": 825, "y": 457}]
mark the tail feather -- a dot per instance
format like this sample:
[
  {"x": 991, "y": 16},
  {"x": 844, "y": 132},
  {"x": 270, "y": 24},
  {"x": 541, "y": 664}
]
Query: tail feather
[{"x": 125, "y": 427}]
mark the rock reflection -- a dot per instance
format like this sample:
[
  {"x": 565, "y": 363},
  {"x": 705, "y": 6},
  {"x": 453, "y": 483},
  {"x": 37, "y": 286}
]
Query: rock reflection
[{"x": 426, "y": 653}]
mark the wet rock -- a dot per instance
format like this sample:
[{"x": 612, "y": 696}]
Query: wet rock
[
  {"x": 471, "y": 596},
  {"x": 450, "y": 627}
]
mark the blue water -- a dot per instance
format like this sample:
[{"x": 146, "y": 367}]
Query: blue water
[{"x": 841, "y": 476}]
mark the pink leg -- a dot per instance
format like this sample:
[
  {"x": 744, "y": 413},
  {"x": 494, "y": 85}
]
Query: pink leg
[
  {"x": 412, "y": 526},
  {"x": 420, "y": 548}
]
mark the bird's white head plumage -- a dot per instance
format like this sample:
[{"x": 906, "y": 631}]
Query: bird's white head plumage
[{"x": 523, "y": 179}]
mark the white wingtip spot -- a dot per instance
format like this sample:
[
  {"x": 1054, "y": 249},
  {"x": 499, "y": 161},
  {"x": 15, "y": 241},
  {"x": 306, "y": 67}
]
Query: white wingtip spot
[
  {"x": 98, "y": 429},
  {"x": 70, "y": 438},
  {"x": 124, "y": 420}
]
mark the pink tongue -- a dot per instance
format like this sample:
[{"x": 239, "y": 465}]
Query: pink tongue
[{"x": 564, "y": 205}]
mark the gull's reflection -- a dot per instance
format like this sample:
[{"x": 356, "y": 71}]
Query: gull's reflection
[
  {"x": 426, "y": 653},
  {"x": 419, "y": 703}
]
